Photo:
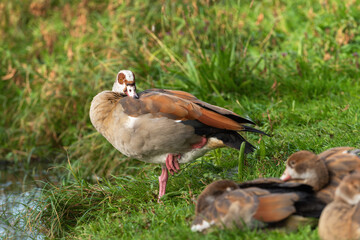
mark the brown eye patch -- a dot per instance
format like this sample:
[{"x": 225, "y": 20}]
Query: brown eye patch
[
  {"x": 121, "y": 78},
  {"x": 301, "y": 167}
]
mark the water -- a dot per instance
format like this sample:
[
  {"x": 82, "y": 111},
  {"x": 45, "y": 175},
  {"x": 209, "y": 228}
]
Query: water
[{"x": 19, "y": 188}]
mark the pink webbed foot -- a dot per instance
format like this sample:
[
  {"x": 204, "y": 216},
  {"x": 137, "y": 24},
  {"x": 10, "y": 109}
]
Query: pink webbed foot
[{"x": 172, "y": 163}]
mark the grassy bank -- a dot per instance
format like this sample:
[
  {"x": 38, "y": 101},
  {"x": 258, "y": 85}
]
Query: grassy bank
[{"x": 291, "y": 66}]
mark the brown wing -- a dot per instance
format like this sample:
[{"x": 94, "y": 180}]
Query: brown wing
[
  {"x": 193, "y": 99},
  {"x": 333, "y": 151},
  {"x": 255, "y": 203},
  {"x": 275, "y": 207},
  {"x": 342, "y": 163},
  {"x": 263, "y": 205},
  {"x": 327, "y": 193},
  {"x": 165, "y": 105},
  {"x": 181, "y": 94},
  {"x": 237, "y": 208},
  {"x": 209, "y": 106},
  {"x": 230, "y": 209},
  {"x": 238, "y": 197}
]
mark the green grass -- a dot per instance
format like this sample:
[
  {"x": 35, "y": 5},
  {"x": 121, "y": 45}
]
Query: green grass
[{"x": 291, "y": 66}]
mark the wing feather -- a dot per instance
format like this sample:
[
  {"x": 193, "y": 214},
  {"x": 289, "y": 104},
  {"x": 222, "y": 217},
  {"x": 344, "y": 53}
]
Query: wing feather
[
  {"x": 275, "y": 207},
  {"x": 177, "y": 108}
]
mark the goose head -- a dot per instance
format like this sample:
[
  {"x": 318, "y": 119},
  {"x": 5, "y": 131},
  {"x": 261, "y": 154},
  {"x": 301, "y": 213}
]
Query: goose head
[
  {"x": 308, "y": 168},
  {"x": 125, "y": 84}
]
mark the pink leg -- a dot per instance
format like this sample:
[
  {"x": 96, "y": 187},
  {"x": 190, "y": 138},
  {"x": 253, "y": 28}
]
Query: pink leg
[
  {"x": 162, "y": 181},
  {"x": 172, "y": 164},
  {"x": 200, "y": 144}
]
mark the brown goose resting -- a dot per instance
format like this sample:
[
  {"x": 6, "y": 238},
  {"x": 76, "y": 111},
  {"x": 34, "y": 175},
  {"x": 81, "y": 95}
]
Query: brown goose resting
[
  {"x": 324, "y": 171},
  {"x": 341, "y": 218},
  {"x": 164, "y": 126},
  {"x": 259, "y": 203}
]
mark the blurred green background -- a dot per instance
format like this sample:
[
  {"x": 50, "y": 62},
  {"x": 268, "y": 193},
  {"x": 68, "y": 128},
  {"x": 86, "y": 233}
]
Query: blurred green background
[{"x": 291, "y": 66}]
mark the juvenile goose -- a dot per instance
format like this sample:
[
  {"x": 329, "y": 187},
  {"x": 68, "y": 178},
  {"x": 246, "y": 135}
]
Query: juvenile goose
[
  {"x": 224, "y": 204},
  {"x": 341, "y": 218},
  {"x": 324, "y": 171},
  {"x": 164, "y": 126}
]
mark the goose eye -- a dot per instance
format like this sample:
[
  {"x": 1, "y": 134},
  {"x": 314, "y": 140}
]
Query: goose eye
[{"x": 121, "y": 78}]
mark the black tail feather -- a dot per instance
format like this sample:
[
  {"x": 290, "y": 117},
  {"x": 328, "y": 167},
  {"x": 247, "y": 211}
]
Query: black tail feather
[
  {"x": 230, "y": 138},
  {"x": 251, "y": 129},
  {"x": 234, "y": 140},
  {"x": 308, "y": 205}
]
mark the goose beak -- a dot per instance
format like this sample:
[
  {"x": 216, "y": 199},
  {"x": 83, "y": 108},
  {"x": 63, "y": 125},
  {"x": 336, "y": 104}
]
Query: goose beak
[
  {"x": 286, "y": 176},
  {"x": 131, "y": 91}
]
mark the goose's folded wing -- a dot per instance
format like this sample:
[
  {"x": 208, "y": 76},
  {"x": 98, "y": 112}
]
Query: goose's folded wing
[
  {"x": 332, "y": 151},
  {"x": 209, "y": 106},
  {"x": 342, "y": 164},
  {"x": 193, "y": 99},
  {"x": 276, "y": 207},
  {"x": 173, "y": 107}
]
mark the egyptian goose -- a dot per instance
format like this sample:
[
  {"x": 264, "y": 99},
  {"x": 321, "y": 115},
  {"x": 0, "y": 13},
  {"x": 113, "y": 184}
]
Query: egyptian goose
[
  {"x": 227, "y": 204},
  {"x": 324, "y": 171},
  {"x": 164, "y": 126},
  {"x": 341, "y": 218}
]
